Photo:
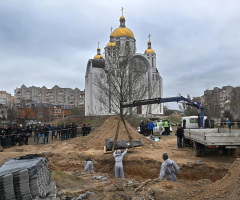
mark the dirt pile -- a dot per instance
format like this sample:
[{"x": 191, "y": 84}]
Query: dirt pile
[
  {"x": 226, "y": 188},
  {"x": 97, "y": 138}
]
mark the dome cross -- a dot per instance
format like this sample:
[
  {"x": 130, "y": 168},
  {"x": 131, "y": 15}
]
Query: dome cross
[
  {"x": 122, "y": 10},
  {"x": 149, "y": 37}
]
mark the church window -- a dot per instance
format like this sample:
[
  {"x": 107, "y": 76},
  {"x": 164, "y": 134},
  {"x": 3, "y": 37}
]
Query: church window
[
  {"x": 127, "y": 43},
  {"x": 152, "y": 61},
  {"x": 118, "y": 43},
  {"x": 153, "y": 77}
]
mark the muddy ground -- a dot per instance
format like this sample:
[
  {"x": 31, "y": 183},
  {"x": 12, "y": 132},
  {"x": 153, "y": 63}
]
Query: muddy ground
[{"x": 141, "y": 166}]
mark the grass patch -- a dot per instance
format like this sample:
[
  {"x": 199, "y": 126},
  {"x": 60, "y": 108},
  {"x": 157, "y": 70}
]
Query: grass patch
[
  {"x": 65, "y": 179},
  {"x": 174, "y": 118}
]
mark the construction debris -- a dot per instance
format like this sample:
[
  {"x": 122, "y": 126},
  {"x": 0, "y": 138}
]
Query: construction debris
[{"x": 25, "y": 178}]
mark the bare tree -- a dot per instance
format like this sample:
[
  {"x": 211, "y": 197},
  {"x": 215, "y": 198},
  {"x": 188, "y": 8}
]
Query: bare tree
[
  {"x": 212, "y": 103},
  {"x": 122, "y": 79},
  {"x": 12, "y": 112}
]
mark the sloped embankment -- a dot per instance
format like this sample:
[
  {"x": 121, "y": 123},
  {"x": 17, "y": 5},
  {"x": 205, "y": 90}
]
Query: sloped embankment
[{"x": 226, "y": 188}]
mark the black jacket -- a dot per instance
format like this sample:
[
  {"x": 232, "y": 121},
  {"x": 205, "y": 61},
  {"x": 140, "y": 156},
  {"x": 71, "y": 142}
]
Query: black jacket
[{"x": 180, "y": 132}]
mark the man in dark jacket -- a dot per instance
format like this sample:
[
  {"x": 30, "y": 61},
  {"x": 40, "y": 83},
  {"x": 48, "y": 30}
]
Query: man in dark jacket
[
  {"x": 84, "y": 129},
  {"x": 46, "y": 133},
  {"x": 20, "y": 135},
  {"x": 142, "y": 125},
  {"x": 8, "y": 136},
  {"x": 180, "y": 134},
  {"x": 53, "y": 129}
]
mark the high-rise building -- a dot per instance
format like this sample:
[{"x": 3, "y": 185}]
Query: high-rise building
[
  {"x": 56, "y": 95},
  {"x": 218, "y": 95},
  {"x": 6, "y": 98}
]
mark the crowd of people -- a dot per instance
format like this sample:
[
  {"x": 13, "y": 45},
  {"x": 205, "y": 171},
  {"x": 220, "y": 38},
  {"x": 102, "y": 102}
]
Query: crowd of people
[
  {"x": 86, "y": 129},
  {"x": 63, "y": 131},
  {"x": 147, "y": 128},
  {"x": 11, "y": 135}
]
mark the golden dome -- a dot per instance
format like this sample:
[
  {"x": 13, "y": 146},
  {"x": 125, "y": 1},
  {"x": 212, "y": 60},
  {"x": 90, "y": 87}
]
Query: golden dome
[
  {"x": 149, "y": 42},
  {"x": 111, "y": 44},
  {"x": 122, "y": 17},
  {"x": 98, "y": 49},
  {"x": 122, "y": 31},
  {"x": 149, "y": 51},
  {"x": 98, "y": 57}
]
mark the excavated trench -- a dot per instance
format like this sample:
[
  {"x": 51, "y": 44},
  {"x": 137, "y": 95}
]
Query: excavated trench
[
  {"x": 145, "y": 169},
  {"x": 139, "y": 168}
]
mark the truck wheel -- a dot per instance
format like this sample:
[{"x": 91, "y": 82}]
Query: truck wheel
[
  {"x": 184, "y": 143},
  {"x": 196, "y": 149},
  {"x": 233, "y": 151},
  {"x": 203, "y": 153},
  {"x": 227, "y": 152}
]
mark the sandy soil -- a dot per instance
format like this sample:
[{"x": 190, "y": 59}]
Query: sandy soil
[{"x": 141, "y": 165}]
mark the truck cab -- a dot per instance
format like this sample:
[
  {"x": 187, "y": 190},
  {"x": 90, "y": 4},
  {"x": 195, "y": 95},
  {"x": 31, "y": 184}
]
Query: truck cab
[{"x": 191, "y": 122}]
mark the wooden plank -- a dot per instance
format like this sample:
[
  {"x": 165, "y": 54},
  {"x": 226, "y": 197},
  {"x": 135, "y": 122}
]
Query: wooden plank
[{"x": 105, "y": 151}]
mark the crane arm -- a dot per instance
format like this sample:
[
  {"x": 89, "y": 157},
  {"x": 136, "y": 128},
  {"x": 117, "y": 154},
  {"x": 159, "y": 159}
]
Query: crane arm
[{"x": 165, "y": 100}]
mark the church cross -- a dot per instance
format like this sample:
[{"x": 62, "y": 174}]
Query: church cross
[
  {"x": 149, "y": 36},
  {"x": 111, "y": 29},
  {"x": 98, "y": 44},
  {"x": 122, "y": 10}
]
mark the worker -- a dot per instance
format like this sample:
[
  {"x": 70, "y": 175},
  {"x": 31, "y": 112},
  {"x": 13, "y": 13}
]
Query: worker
[
  {"x": 180, "y": 134},
  {"x": 229, "y": 124},
  {"x": 168, "y": 168},
  {"x": 150, "y": 127},
  {"x": 118, "y": 162},
  {"x": 142, "y": 125},
  {"x": 166, "y": 127},
  {"x": 89, "y": 163},
  {"x": 160, "y": 125}
]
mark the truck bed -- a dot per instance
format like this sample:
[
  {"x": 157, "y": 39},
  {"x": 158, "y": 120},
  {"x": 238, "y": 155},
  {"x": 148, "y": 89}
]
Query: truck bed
[{"x": 214, "y": 137}]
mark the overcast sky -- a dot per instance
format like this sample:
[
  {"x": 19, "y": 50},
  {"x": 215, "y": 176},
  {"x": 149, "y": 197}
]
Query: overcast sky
[{"x": 49, "y": 42}]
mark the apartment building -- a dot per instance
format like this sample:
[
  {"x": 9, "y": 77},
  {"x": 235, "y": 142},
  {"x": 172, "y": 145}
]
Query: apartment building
[
  {"x": 219, "y": 95},
  {"x": 55, "y": 95},
  {"x": 3, "y": 111},
  {"x": 6, "y": 98}
]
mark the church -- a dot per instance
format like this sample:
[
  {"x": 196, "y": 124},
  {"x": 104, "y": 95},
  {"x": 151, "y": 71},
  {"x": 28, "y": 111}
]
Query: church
[{"x": 122, "y": 74}]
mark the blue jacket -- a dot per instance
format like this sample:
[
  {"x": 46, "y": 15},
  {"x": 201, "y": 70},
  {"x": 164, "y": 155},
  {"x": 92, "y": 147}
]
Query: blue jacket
[
  {"x": 150, "y": 126},
  {"x": 53, "y": 128}
]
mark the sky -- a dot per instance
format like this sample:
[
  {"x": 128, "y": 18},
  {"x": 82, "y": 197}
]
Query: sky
[{"x": 49, "y": 42}]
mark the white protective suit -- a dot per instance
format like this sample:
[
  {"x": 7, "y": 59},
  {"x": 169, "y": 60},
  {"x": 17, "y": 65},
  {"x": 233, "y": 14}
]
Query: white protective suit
[
  {"x": 170, "y": 169},
  {"x": 88, "y": 165},
  {"x": 118, "y": 163}
]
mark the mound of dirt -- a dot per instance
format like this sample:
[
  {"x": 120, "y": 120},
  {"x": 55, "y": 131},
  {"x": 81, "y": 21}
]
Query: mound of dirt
[
  {"x": 227, "y": 187},
  {"x": 108, "y": 130}
]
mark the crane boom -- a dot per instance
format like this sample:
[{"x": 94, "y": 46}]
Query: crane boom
[{"x": 165, "y": 100}]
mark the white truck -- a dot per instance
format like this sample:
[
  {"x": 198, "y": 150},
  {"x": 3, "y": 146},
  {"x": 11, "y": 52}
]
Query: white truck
[
  {"x": 206, "y": 140},
  {"x": 191, "y": 122}
]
